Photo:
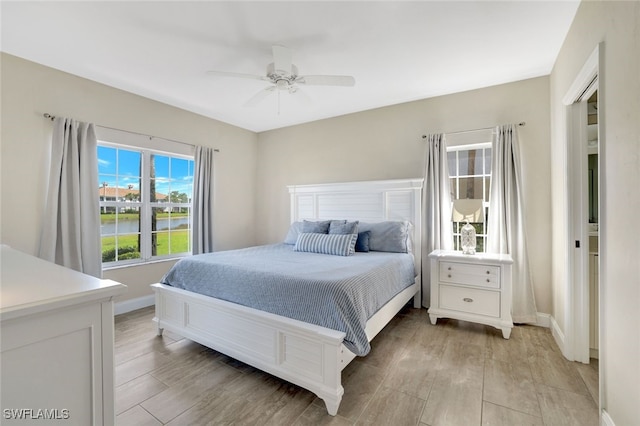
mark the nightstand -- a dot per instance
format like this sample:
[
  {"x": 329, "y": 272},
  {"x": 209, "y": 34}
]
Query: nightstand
[{"x": 474, "y": 288}]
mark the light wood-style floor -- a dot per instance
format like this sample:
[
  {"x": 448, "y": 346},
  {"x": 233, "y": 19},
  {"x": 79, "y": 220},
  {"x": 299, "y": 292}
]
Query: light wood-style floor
[{"x": 453, "y": 373}]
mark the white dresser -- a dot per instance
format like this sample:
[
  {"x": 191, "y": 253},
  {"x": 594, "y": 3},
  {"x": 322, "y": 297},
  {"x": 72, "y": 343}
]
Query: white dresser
[
  {"x": 474, "y": 288},
  {"x": 56, "y": 343}
]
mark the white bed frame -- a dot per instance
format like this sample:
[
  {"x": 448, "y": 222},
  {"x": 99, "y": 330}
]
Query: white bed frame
[{"x": 307, "y": 355}]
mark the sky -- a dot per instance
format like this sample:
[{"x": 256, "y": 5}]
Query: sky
[{"x": 121, "y": 168}]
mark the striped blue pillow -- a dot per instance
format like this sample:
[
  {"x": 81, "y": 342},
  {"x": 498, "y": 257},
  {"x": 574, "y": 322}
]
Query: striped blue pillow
[{"x": 336, "y": 244}]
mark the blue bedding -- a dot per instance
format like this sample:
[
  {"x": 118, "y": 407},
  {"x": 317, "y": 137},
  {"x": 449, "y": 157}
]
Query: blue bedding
[{"x": 336, "y": 292}]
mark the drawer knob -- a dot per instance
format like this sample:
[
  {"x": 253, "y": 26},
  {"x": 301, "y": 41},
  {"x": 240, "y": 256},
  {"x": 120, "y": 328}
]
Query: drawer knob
[
  {"x": 449, "y": 268},
  {"x": 449, "y": 275},
  {"x": 488, "y": 272},
  {"x": 468, "y": 299},
  {"x": 488, "y": 280}
]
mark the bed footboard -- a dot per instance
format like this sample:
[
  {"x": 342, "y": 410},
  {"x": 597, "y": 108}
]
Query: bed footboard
[{"x": 304, "y": 354}]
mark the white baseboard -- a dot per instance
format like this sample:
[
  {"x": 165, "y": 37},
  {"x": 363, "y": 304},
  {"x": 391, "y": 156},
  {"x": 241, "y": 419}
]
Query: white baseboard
[
  {"x": 543, "y": 320},
  {"x": 558, "y": 335},
  {"x": 606, "y": 419},
  {"x": 133, "y": 304}
]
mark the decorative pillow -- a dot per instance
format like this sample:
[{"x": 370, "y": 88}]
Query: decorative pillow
[
  {"x": 292, "y": 234},
  {"x": 362, "y": 243},
  {"x": 337, "y": 222},
  {"x": 390, "y": 236},
  {"x": 336, "y": 227},
  {"x": 321, "y": 227},
  {"x": 336, "y": 244}
]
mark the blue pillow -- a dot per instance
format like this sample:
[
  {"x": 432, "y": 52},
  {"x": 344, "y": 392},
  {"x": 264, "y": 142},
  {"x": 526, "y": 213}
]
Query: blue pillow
[
  {"x": 316, "y": 227},
  {"x": 343, "y": 227},
  {"x": 335, "y": 244},
  {"x": 292, "y": 234},
  {"x": 390, "y": 236},
  {"x": 362, "y": 243}
]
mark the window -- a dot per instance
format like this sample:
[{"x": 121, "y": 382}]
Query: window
[
  {"x": 470, "y": 177},
  {"x": 145, "y": 204}
]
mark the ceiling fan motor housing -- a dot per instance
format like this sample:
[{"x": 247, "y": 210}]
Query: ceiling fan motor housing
[{"x": 276, "y": 75}]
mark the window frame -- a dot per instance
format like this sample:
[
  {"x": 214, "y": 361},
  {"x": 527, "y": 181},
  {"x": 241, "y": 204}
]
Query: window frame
[
  {"x": 485, "y": 189},
  {"x": 145, "y": 205}
]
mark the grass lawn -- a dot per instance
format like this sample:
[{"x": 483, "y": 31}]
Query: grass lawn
[{"x": 168, "y": 242}]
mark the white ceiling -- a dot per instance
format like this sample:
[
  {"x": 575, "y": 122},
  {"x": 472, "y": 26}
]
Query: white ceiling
[{"x": 397, "y": 51}]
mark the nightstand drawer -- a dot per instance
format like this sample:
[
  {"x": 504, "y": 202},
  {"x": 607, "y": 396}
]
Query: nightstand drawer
[
  {"x": 470, "y": 274},
  {"x": 481, "y": 302}
]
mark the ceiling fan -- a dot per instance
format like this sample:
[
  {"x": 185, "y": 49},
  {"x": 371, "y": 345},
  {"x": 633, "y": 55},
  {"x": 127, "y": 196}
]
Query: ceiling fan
[{"x": 283, "y": 75}]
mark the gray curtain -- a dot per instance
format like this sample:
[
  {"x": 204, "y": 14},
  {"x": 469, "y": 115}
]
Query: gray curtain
[
  {"x": 71, "y": 227},
  {"x": 436, "y": 208},
  {"x": 203, "y": 201},
  {"x": 506, "y": 232}
]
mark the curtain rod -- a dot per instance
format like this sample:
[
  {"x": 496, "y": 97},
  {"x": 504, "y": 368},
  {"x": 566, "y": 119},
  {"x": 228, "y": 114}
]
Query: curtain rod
[
  {"x": 52, "y": 117},
  {"x": 522, "y": 123}
]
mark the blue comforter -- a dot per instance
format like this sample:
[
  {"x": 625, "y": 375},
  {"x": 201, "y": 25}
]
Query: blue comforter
[{"x": 336, "y": 292}]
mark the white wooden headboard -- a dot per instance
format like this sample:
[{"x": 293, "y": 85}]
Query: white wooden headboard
[{"x": 367, "y": 201}]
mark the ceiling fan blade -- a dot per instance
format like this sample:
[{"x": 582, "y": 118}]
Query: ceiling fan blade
[
  {"x": 239, "y": 75},
  {"x": 326, "y": 80},
  {"x": 301, "y": 95},
  {"x": 258, "y": 97},
  {"x": 282, "y": 59}
]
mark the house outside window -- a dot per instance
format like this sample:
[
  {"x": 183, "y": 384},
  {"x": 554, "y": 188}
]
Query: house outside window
[
  {"x": 470, "y": 178},
  {"x": 145, "y": 204}
]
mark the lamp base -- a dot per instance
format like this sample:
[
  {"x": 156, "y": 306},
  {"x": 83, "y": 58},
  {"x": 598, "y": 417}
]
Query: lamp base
[{"x": 468, "y": 239}]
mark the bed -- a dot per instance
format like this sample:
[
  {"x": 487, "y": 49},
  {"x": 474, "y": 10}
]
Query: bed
[{"x": 293, "y": 345}]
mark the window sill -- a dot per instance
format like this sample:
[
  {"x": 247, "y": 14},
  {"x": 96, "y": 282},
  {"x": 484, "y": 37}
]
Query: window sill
[{"x": 150, "y": 262}]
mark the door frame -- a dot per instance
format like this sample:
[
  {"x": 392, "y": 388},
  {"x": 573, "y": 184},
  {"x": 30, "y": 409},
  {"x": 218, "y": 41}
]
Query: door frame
[{"x": 586, "y": 82}]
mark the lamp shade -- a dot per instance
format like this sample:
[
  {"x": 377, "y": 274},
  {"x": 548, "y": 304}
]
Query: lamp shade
[{"x": 469, "y": 210}]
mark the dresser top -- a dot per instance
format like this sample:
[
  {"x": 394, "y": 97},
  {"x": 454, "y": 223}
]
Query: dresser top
[
  {"x": 471, "y": 258},
  {"x": 29, "y": 284}
]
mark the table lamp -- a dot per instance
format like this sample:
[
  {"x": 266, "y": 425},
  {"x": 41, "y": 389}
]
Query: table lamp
[{"x": 469, "y": 210}]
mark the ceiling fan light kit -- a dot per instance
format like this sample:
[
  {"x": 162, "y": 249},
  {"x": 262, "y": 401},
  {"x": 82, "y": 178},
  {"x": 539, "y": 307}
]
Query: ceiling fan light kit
[
  {"x": 283, "y": 75},
  {"x": 282, "y": 80}
]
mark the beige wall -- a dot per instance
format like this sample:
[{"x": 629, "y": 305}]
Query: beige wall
[
  {"x": 29, "y": 90},
  {"x": 617, "y": 24},
  {"x": 386, "y": 143}
]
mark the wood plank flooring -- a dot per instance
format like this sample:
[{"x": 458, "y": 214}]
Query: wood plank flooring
[{"x": 453, "y": 373}]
